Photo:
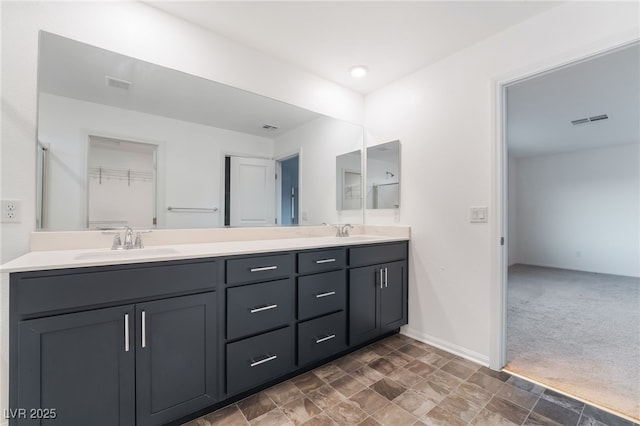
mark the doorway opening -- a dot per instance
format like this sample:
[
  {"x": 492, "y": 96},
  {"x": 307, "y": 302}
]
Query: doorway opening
[
  {"x": 570, "y": 203},
  {"x": 250, "y": 191},
  {"x": 121, "y": 183},
  {"x": 287, "y": 181}
]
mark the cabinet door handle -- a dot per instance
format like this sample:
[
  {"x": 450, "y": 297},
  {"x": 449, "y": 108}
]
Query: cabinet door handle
[
  {"x": 264, "y": 308},
  {"x": 126, "y": 332},
  {"x": 324, "y": 339},
  {"x": 325, "y": 261},
  {"x": 262, "y": 361},
  {"x": 381, "y": 276},
  {"x": 264, "y": 268},
  {"x": 386, "y": 277},
  {"x": 329, "y": 293},
  {"x": 144, "y": 329}
]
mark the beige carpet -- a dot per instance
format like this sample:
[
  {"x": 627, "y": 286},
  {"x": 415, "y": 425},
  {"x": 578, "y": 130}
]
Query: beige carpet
[{"x": 578, "y": 332}]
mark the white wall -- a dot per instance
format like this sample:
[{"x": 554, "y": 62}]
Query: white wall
[
  {"x": 137, "y": 30},
  {"x": 190, "y": 159},
  {"x": 444, "y": 117},
  {"x": 580, "y": 210},
  {"x": 320, "y": 141}
]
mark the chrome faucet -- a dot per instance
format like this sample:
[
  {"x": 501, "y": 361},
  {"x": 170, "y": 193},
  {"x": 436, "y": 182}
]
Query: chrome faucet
[
  {"x": 345, "y": 229},
  {"x": 128, "y": 238}
]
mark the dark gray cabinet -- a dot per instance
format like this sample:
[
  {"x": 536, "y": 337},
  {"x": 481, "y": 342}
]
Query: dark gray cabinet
[
  {"x": 377, "y": 294},
  {"x": 81, "y": 366},
  {"x": 175, "y": 357}
]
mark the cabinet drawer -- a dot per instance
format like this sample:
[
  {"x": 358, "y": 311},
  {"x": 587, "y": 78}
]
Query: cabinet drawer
[
  {"x": 321, "y": 337},
  {"x": 253, "y": 361},
  {"x": 321, "y": 260},
  {"x": 259, "y": 268},
  {"x": 374, "y": 253},
  {"x": 258, "y": 307},
  {"x": 322, "y": 293},
  {"x": 58, "y": 290}
]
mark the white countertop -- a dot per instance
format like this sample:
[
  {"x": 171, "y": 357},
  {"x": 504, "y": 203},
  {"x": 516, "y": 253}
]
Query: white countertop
[{"x": 59, "y": 259}]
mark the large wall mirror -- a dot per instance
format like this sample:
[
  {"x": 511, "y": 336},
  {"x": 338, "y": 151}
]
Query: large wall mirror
[{"x": 123, "y": 142}]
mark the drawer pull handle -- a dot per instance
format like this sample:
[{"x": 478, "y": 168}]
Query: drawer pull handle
[
  {"x": 264, "y": 268},
  {"x": 381, "y": 277},
  {"x": 264, "y": 308},
  {"x": 325, "y": 261},
  {"x": 262, "y": 361},
  {"x": 324, "y": 339},
  {"x": 126, "y": 332},
  {"x": 386, "y": 278},
  {"x": 329, "y": 293}
]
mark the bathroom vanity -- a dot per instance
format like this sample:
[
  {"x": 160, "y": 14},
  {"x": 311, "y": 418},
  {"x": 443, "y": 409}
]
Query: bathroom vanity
[{"x": 155, "y": 342}]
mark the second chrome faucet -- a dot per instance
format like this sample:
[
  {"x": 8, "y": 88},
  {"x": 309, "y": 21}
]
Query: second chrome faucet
[{"x": 128, "y": 239}]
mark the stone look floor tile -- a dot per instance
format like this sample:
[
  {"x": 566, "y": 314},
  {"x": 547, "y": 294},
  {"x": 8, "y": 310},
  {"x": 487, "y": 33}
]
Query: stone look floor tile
[
  {"x": 381, "y": 349},
  {"x": 420, "y": 368},
  {"x": 367, "y": 375},
  {"x": 348, "y": 363},
  {"x": 319, "y": 420},
  {"x": 325, "y": 397},
  {"x": 388, "y": 388},
  {"x": 500, "y": 375},
  {"x": 382, "y": 366},
  {"x": 414, "y": 403},
  {"x": 256, "y": 405},
  {"x": 556, "y": 412},
  {"x": 508, "y": 410},
  {"x": 434, "y": 360},
  {"x": 525, "y": 385},
  {"x": 441, "y": 417},
  {"x": 563, "y": 401},
  {"x": 329, "y": 372},
  {"x": 307, "y": 382},
  {"x": 535, "y": 419},
  {"x": 412, "y": 351},
  {"x": 301, "y": 410},
  {"x": 394, "y": 415},
  {"x": 398, "y": 359},
  {"x": 431, "y": 390},
  {"x": 369, "y": 421},
  {"x": 405, "y": 377},
  {"x": 604, "y": 417},
  {"x": 473, "y": 393},
  {"x": 458, "y": 369},
  {"x": 284, "y": 393},
  {"x": 369, "y": 401},
  {"x": 227, "y": 416},
  {"x": 366, "y": 355},
  {"x": 445, "y": 380},
  {"x": 346, "y": 413},
  {"x": 487, "y": 383},
  {"x": 488, "y": 418},
  {"x": 347, "y": 385},
  {"x": 518, "y": 396},
  {"x": 272, "y": 418},
  {"x": 461, "y": 407}
]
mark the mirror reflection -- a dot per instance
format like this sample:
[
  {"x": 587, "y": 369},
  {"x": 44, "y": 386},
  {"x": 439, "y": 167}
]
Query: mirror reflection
[
  {"x": 349, "y": 181},
  {"x": 383, "y": 176},
  {"x": 123, "y": 142}
]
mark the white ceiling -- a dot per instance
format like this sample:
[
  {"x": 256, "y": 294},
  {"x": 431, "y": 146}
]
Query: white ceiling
[
  {"x": 327, "y": 38},
  {"x": 540, "y": 109}
]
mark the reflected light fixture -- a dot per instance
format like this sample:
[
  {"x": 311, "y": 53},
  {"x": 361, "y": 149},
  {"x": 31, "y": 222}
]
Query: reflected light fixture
[{"x": 358, "y": 71}]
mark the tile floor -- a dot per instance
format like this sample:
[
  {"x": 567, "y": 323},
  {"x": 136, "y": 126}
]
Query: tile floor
[{"x": 400, "y": 381}]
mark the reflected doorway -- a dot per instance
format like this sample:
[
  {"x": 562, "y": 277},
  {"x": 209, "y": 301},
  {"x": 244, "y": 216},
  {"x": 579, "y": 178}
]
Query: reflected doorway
[{"x": 287, "y": 180}]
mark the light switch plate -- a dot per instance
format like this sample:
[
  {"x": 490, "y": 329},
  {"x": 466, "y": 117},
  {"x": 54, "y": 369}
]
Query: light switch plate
[{"x": 478, "y": 214}]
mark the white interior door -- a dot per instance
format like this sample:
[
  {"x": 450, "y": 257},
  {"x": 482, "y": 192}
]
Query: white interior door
[{"x": 253, "y": 192}]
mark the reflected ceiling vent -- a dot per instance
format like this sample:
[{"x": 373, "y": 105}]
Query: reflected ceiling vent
[
  {"x": 589, "y": 119},
  {"x": 270, "y": 127},
  {"x": 117, "y": 83}
]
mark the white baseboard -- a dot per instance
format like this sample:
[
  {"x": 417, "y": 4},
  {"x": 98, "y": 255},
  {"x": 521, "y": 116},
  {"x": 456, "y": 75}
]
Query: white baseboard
[{"x": 446, "y": 346}]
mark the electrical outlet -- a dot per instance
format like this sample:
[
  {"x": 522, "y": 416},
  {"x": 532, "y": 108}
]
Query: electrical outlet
[{"x": 11, "y": 211}]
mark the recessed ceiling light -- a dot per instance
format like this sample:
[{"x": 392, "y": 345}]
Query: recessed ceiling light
[{"x": 358, "y": 71}]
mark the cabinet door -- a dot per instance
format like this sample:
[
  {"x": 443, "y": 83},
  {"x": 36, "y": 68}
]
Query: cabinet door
[
  {"x": 393, "y": 296},
  {"x": 363, "y": 304},
  {"x": 79, "y": 365},
  {"x": 175, "y": 357}
]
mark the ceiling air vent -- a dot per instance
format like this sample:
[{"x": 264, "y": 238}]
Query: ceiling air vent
[
  {"x": 117, "y": 83},
  {"x": 270, "y": 127},
  {"x": 589, "y": 119}
]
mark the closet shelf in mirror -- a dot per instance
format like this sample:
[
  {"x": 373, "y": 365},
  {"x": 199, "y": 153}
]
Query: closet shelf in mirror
[{"x": 130, "y": 175}]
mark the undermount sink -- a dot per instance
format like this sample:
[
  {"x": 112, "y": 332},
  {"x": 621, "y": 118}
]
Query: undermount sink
[
  {"x": 133, "y": 253},
  {"x": 353, "y": 238}
]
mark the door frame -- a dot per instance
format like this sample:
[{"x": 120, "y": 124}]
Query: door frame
[
  {"x": 499, "y": 202},
  {"x": 279, "y": 159}
]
